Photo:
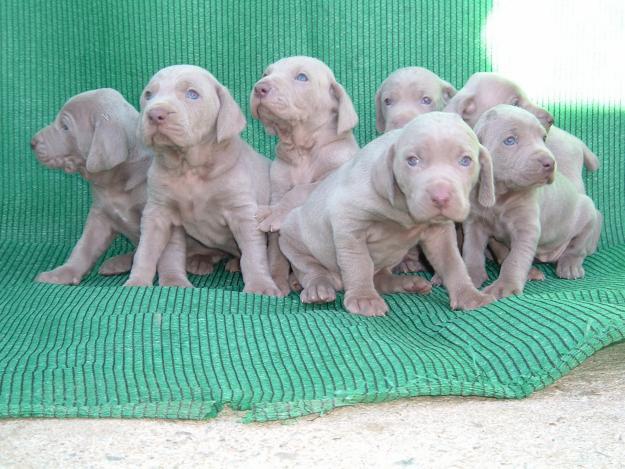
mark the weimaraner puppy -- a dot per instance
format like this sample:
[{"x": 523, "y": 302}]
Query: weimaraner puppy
[
  {"x": 94, "y": 135},
  {"x": 409, "y": 185},
  {"x": 407, "y": 93},
  {"x": 205, "y": 179},
  {"x": 299, "y": 100},
  {"x": 484, "y": 90},
  {"x": 538, "y": 212},
  {"x": 403, "y": 95}
]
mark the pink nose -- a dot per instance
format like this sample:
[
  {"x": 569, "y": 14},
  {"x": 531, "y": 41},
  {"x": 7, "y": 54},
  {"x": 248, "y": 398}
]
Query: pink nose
[
  {"x": 158, "y": 115},
  {"x": 439, "y": 195},
  {"x": 262, "y": 89},
  {"x": 547, "y": 163}
]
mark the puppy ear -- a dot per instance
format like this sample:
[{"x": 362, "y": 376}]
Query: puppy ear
[
  {"x": 545, "y": 118},
  {"x": 380, "y": 122},
  {"x": 486, "y": 190},
  {"x": 383, "y": 177},
  {"x": 230, "y": 119},
  {"x": 347, "y": 117},
  {"x": 448, "y": 92},
  {"x": 109, "y": 145},
  {"x": 463, "y": 105}
]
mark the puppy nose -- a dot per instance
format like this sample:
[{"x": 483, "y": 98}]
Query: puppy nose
[
  {"x": 33, "y": 143},
  {"x": 158, "y": 115},
  {"x": 400, "y": 121},
  {"x": 547, "y": 163},
  {"x": 439, "y": 195},
  {"x": 262, "y": 89}
]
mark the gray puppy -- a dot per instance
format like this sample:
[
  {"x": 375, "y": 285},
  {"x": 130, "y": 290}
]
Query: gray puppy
[
  {"x": 538, "y": 212},
  {"x": 405, "y": 187}
]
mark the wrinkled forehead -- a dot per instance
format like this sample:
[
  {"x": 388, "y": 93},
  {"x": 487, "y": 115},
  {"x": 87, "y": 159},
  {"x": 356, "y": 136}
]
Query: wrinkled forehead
[
  {"x": 81, "y": 107},
  {"x": 513, "y": 120},
  {"x": 446, "y": 136},
  {"x": 301, "y": 64},
  {"x": 182, "y": 76}
]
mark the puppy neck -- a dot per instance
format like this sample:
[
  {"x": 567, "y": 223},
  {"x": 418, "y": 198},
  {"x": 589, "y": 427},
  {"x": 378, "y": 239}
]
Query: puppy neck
[{"x": 208, "y": 158}]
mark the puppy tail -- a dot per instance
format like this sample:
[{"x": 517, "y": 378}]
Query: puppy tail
[{"x": 590, "y": 159}]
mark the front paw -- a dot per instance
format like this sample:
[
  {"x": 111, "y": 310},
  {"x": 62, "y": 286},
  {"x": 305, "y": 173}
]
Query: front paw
[
  {"x": 470, "y": 298},
  {"x": 62, "y": 275},
  {"x": 269, "y": 219},
  {"x": 501, "y": 289},
  {"x": 263, "y": 288},
  {"x": 535, "y": 274},
  {"x": 319, "y": 290},
  {"x": 138, "y": 282},
  {"x": 233, "y": 265},
  {"x": 365, "y": 303},
  {"x": 117, "y": 265},
  {"x": 570, "y": 269},
  {"x": 174, "y": 281},
  {"x": 200, "y": 264}
]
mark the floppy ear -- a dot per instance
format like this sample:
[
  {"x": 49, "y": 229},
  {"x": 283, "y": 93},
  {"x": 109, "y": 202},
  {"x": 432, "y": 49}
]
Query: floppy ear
[
  {"x": 109, "y": 145},
  {"x": 383, "y": 177},
  {"x": 545, "y": 118},
  {"x": 463, "y": 105},
  {"x": 448, "y": 92},
  {"x": 486, "y": 190},
  {"x": 347, "y": 117},
  {"x": 380, "y": 122},
  {"x": 230, "y": 119}
]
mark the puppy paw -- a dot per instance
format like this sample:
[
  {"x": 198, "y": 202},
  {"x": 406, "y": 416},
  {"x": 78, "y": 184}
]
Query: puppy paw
[
  {"x": 535, "y": 274},
  {"x": 570, "y": 269},
  {"x": 269, "y": 219},
  {"x": 233, "y": 265},
  {"x": 365, "y": 303},
  {"x": 200, "y": 264},
  {"x": 408, "y": 265},
  {"x": 501, "y": 289},
  {"x": 137, "y": 282},
  {"x": 470, "y": 298},
  {"x": 319, "y": 290},
  {"x": 117, "y": 265},
  {"x": 174, "y": 281},
  {"x": 263, "y": 288},
  {"x": 60, "y": 276},
  {"x": 436, "y": 280},
  {"x": 294, "y": 283}
]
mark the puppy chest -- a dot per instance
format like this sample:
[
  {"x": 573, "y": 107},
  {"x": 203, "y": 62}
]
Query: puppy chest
[{"x": 388, "y": 244}]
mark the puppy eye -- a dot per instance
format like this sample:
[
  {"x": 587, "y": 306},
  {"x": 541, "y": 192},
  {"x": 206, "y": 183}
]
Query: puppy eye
[
  {"x": 301, "y": 77},
  {"x": 388, "y": 101},
  {"x": 413, "y": 161},
  {"x": 426, "y": 100},
  {"x": 147, "y": 95},
  {"x": 265, "y": 74},
  {"x": 516, "y": 101},
  {"x": 511, "y": 140},
  {"x": 192, "y": 94},
  {"x": 465, "y": 161},
  {"x": 64, "y": 126}
]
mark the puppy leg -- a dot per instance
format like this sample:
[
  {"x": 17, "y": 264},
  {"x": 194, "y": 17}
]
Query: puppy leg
[
  {"x": 171, "y": 265},
  {"x": 357, "y": 271},
  {"x": 278, "y": 265},
  {"x": 583, "y": 244},
  {"x": 254, "y": 260},
  {"x": 270, "y": 217},
  {"x": 117, "y": 265},
  {"x": 318, "y": 285},
  {"x": 156, "y": 229},
  {"x": 501, "y": 251},
  {"x": 96, "y": 238},
  {"x": 386, "y": 282},
  {"x": 440, "y": 246},
  {"x": 474, "y": 245}
]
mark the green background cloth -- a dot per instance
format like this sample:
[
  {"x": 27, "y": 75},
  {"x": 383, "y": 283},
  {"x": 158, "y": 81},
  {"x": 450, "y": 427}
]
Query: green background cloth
[{"x": 101, "y": 350}]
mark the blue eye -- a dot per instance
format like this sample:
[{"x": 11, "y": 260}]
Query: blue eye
[
  {"x": 301, "y": 77},
  {"x": 148, "y": 95},
  {"x": 192, "y": 94},
  {"x": 511, "y": 140},
  {"x": 413, "y": 161},
  {"x": 465, "y": 161},
  {"x": 426, "y": 100}
]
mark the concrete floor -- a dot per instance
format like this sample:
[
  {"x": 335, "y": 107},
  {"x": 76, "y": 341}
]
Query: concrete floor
[{"x": 577, "y": 422}]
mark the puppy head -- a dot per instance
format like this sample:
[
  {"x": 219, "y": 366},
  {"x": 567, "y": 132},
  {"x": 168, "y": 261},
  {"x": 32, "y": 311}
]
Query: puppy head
[
  {"x": 184, "y": 105},
  {"x": 516, "y": 141},
  {"x": 301, "y": 90},
  {"x": 485, "y": 90},
  {"x": 409, "y": 92},
  {"x": 90, "y": 134},
  {"x": 434, "y": 164}
]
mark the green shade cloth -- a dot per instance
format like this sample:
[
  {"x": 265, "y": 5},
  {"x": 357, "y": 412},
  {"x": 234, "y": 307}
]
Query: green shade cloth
[{"x": 100, "y": 350}]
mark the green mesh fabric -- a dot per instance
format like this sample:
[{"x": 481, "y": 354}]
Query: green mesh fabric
[{"x": 100, "y": 350}]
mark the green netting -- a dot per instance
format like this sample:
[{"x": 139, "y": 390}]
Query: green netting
[{"x": 101, "y": 350}]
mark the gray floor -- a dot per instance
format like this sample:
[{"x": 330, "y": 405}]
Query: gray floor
[{"x": 577, "y": 422}]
